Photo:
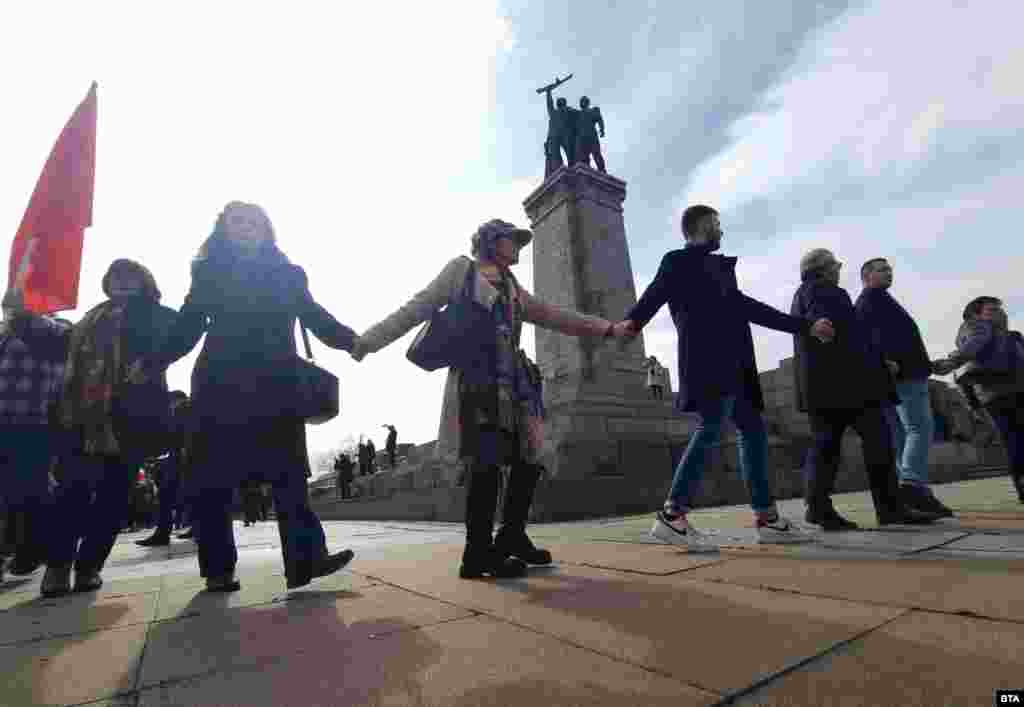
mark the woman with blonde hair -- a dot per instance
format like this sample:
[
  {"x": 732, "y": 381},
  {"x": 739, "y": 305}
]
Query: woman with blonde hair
[
  {"x": 492, "y": 407},
  {"x": 245, "y": 297}
]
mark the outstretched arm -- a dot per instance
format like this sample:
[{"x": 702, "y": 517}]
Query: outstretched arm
[
  {"x": 319, "y": 321},
  {"x": 551, "y": 103},
  {"x": 420, "y": 308},
  {"x": 653, "y": 298},
  {"x": 184, "y": 333},
  {"x": 560, "y": 319},
  {"x": 767, "y": 316}
]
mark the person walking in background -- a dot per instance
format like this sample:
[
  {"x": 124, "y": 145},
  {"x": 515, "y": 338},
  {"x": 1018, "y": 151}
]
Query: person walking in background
[
  {"x": 993, "y": 377},
  {"x": 371, "y": 456},
  {"x": 655, "y": 378},
  {"x": 364, "y": 458},
  {"x": 717, "y": 373},
  {"x": 895, "y": 333},
  {"x": 168, "y": 477},
  {"x": 32, "y": 354},
  {"x": 491, "y": 411},
  {"x": 391, "y": 444},
  {"x": 843, "y": 384},
  {"x": 113, "y": 424},
  {"x": 343, "y": 467},
  {"x": 245, "y": 296}
]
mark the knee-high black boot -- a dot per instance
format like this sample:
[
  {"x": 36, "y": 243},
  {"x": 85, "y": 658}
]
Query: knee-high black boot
[
  {"x": 512, "y": 540},
  {"x": 480, "y": 558}
]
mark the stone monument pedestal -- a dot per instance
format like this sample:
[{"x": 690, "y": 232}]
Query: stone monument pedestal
[{"x": 602, "y": 424}]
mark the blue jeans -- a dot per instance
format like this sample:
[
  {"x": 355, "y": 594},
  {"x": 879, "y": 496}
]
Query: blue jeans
[
  {"x": 913, "y": 429},
  {"x": 752, "y": 440}
]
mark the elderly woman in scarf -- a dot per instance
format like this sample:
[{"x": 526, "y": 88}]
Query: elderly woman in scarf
[
  {"x": 492, "y": 408},
  {"x": 114, "y": 424}
]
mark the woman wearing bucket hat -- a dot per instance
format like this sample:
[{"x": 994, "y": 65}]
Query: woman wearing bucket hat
[{"x": 492, "y": 411}]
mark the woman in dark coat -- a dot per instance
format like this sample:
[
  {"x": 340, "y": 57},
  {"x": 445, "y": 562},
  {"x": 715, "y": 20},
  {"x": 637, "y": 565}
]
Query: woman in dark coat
[{"x": 245, "y": 297}]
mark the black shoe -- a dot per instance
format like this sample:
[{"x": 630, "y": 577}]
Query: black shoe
[
  {"x": 157, "y": 539},
  {"x": 1018, "y": 483},
  {"x": 920, "y": 498},
  {"x": 904, "y": 516},
  {"x": 223, "y": 584},
  {"x": 516, "y": 543},
  {"x": 492, "y": 564},
  {"x": 20, "y": 566},
  {"x": 56, "y": 582},
  {"x": 87, "y": 581},
  {"x": 326, "y": 566},
  {"x": 830, "y": 520},
  {"x": 187, "y": 535}
]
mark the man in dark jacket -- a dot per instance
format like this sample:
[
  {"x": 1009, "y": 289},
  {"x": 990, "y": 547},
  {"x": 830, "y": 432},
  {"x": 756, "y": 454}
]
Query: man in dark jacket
[
  {"x": 343, "y": 466},
  {"x": 894, "y": 332},
  {"x": 717, "y": 372},
  {"x": 844, "y": 384}
]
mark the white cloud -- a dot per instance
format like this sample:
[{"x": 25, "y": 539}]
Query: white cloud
[{"x": 359, "y": 128}]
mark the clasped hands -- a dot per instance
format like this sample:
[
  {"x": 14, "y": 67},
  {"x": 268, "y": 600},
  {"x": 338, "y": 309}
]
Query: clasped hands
[{"x": 822, "y": 330}]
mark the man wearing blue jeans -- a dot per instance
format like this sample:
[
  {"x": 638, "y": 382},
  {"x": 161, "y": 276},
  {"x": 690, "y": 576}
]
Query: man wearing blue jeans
[
  {"x": 896, "y": 334},
  {"x": 717, "y": 372}
]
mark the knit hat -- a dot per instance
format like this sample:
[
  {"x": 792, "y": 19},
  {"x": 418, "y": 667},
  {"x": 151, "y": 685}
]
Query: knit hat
[{"x": 488, "y": 233}]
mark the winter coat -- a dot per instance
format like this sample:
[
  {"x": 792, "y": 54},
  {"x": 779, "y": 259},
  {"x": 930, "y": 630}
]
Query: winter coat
[
  {"x": 994, "y": 361},
  {"x": 712, "y": 318},
  {"x": 848, "y": 373},
  {"x": 446, "y": 288},
  {"x": 895, "y": 333},
  {"x": 245, "y": 380}
]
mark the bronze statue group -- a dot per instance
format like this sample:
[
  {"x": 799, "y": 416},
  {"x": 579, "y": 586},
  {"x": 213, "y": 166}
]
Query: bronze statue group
[{"x": 90, "y": 401}]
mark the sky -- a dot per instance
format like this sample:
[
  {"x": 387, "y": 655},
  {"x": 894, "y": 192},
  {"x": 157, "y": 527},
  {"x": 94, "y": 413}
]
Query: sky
[{"x": 378, "y": 136}]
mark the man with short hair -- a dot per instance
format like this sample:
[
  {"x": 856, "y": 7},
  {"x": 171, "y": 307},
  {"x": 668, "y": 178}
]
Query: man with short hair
[
  {"x": 895, "y": 333},
  {"x": 391, "y": 445},
  {"x": 717, "y": 373}
]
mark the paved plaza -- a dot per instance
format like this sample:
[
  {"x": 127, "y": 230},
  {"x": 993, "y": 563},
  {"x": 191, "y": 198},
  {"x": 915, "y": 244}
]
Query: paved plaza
[{"x": 876, "y": 617}]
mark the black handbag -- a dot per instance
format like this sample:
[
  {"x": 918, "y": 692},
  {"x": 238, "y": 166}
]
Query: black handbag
[
  {"x": 318, "y": 390},
  {"x": 456, "y": 335}
]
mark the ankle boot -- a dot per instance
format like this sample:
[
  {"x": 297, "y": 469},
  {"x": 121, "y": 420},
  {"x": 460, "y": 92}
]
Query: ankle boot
[
  {"x": 56, "y": 581},
  {"x": 512, "y": 540},
  {"x": 480, "y": 558},
  {"x": 159, "y": 538},
  {"x": 1018, "y": 483}
]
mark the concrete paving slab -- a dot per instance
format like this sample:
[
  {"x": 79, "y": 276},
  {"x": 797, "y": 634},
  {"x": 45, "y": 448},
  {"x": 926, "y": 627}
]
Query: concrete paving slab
[
  {"x": 988, "y": 522},
  {"x": 257, "y": 634},
  {"x": 68, "y": 671},
  {"x": 989, "y": 542},
  {"x": 918, "y": 659},
  {"x": 649, "y": 559},
  {"x": 24, "y": 593},
  {"x": 714, "y": 637},
  {"x": 896, "y": 540},
  {"x": 472, "y": 662},
  {"x": 986, "y": 587},
  {"x": 78, "y": 613}
]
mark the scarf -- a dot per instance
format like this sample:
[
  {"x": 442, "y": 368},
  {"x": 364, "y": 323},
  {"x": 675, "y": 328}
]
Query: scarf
[{"x": 94, "y": 371}]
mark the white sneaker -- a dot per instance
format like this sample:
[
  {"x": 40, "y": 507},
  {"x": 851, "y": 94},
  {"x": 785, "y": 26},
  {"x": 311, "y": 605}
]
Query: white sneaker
[
  {"x": 782, "y": 531},
  {"x": 678, "y": 531}
]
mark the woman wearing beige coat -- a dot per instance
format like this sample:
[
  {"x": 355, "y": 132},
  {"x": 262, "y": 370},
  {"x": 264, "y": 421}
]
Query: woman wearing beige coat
[{"x": 492, "y": 409}]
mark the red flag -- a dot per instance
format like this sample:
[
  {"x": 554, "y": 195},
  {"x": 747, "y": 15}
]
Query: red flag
[{"x": 46, "y": 256}]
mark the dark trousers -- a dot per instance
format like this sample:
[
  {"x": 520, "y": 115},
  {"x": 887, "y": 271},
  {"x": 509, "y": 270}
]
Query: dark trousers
[
  {"x": 302, "y": 537},
  {"x": 1008, "y": 415},
  {"x": 25, "y": 453},
  {"x": 96, "y": 520},
  {"x": 168, "y": 500},
  {"x": 823, "y": 459}
]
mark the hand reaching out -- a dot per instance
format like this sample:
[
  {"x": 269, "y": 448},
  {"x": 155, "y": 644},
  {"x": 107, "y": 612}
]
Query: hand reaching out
[
  {"x": 626, "y": 329},
  {"x": 358, "y": 352},
  {"x": 894, "y": 368}
]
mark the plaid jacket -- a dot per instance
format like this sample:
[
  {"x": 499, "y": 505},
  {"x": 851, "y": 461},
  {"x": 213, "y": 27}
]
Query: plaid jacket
[{"x": 31, "y": 371}]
